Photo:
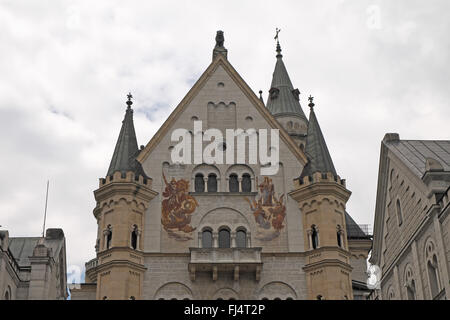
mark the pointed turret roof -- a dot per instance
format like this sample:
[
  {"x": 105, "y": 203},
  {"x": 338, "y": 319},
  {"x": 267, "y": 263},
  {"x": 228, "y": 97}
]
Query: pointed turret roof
[
  {"x": 126, "y": 151},
  {"x": 319, "y": 159},
  {"x": 283, "y": 98}
]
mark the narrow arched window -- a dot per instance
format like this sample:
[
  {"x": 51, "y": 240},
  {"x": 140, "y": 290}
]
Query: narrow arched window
[
  {"x": 233, "y": 183},
  {"x": 241, "y": 239},
  {"x": 339, "y": 236},
  {"x": 108, "y": 237},
  {"x": 212, "y": 183},
  {"x": 433, "y": 275},
  {"x": 399, "y": 212},
  {"x": 207, "y": 239},
  {"x": 246, "y": 183},
  {"x": 199, "y": 183},
  {"x": 134, "y": 237},
  {"x": 314, "y": 237},
  {"x": 8, "y": 293},
  {"x": 224, "y": 238}
]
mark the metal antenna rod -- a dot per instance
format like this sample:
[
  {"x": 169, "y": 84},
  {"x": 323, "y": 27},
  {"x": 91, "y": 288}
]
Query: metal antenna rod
[{"x": 45, "y": 212}]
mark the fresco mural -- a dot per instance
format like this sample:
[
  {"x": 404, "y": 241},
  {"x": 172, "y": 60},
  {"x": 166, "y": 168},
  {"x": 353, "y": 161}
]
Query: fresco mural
[
  {"x": 269, "y": 211},
  {"x": 177, "y": 208}
]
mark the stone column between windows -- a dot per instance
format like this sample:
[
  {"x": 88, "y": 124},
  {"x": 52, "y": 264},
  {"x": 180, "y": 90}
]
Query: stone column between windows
[
  {"x": 215, "y": 236},
  {"x": 442, "y": 261},
  {"x": 417, "y": 273},
  {"x": 205, "y": 180},
  {"x": 200, "y": 242},
  {"x": 240, "y": 184},
  {"x": 233, "y": 239}
]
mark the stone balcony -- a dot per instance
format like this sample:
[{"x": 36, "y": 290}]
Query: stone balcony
[
  {"x": 216, "y": 260},
  {"x": 91, "y": 264}
]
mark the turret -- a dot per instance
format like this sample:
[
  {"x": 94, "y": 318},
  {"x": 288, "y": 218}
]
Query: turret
[
  {"x": 322, "y": 197},
  {"x": 122, "y": 198}
]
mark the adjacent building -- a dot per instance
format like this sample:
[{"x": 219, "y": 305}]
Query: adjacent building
[
  {"x": 33, "y": 268},
  {"x": 412, "y": 224}
]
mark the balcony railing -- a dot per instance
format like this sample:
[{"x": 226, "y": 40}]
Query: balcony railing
[
  {"x": 91, "y": 264},
  {"x": 217, "y": 260}
]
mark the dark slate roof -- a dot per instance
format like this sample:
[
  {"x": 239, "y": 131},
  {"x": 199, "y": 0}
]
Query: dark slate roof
[
  {"x": 22, "y": 248},
  {"x": 126, "y": 151},
  {"x": 286, "y": 102},
  {"x": 354, "y": 231},
  {"x": 319, "y": 159},
  {"x": 414, "y": 153}
]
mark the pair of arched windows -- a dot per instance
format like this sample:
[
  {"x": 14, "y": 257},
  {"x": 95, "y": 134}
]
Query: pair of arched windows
[
  {"x": 211, "y": 185},
  {"x": 246, "y": 183},
  {"x": 224, "y": 238}
]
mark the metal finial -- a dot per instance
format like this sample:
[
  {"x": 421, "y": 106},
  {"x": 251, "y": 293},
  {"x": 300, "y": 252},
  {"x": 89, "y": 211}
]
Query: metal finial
[
  {"x": 260, "y": 94},
  {"x": 277, "y": 31},
  {"x": 311, "y": 103},
  {"x": 129, "y": 102}
]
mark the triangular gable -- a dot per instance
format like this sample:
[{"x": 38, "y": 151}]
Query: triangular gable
[{"x": 220, "y": 60}]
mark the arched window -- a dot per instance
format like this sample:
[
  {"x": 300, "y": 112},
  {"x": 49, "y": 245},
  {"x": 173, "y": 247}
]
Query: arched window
[
  {"x": 199, "y": 183},
  {"x": 132, "y": 298},
  {"x": 339, "y": 236},
  {"x": 207, "y": 240},
  {"x": 224, "y": 238},
  {"x": 212, "y": 182},
  {"x": 108, "y": 236},
  {"x": 314, "y": 237},
  {"x": 399, "y": 212},
  {"x": 241, "y": 239},
  {"x": 105, "y": 298},
  {"x": 134, "y": 237},
  {"x": 410, "y": 283},
  {"x": 319, "y": 297},
  {"x": 8, "y": 293},
  {"x": 246, "y": 183},
  {"x": 433, "y": 275},
  {"x": 233, "y": 183}
]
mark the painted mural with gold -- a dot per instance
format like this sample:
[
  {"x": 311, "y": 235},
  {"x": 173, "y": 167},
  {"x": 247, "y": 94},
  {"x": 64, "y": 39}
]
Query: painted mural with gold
[
  {"x": 269, "y": 211},
  {"x": 177, "y": 208}
]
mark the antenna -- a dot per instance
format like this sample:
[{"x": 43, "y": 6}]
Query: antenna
[{"x": 45, "y": 212}]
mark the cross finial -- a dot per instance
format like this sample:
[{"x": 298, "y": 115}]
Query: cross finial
[
  {"x": 311, "y": 103},
  {"x": 277, "y": 31},
  {"x": 129, "y": 102}
]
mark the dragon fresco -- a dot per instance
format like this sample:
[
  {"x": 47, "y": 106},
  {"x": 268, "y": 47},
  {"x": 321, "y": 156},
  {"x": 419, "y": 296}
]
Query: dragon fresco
[
  {"x": 269, "y": 211},
  {"x": 177, "y": 208}
]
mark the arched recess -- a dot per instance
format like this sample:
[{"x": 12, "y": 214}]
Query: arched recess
[
  {"x": 226, "y": 294},
  {"x": 243, "y": 172},
  {"x": 277, "y": 289},
  {"x": 220, "y": 217},
  {"x": 173, "y": 290}
]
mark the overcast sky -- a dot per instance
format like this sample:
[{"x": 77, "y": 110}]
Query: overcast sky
[{"x": 66, "y": 67}]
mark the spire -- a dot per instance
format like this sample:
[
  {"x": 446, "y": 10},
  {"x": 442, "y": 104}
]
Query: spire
[
  {"x": 126, "y": 151},
  {"x": 219, "y": 48},
  {"x": 283, "y": 98},
  {"x": 316, "y": 149}
]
